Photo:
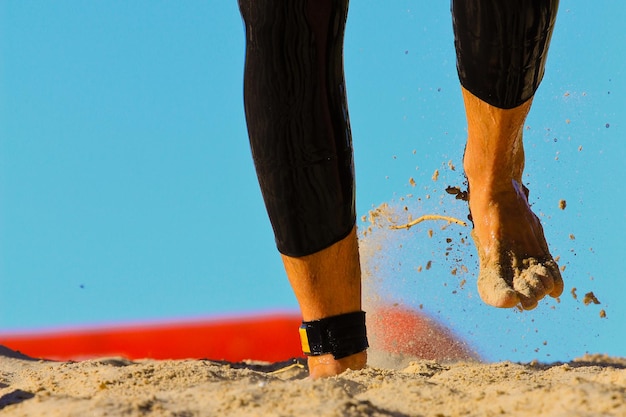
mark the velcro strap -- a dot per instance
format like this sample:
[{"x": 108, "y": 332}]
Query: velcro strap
[{"x": 341, "y": 335}]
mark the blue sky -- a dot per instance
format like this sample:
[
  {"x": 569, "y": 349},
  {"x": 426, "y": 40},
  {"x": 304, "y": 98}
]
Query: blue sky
[{"x": 127, "y": 191}]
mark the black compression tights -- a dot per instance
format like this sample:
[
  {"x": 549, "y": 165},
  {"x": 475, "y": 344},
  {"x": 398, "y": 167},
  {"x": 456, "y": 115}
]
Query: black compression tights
[
  {"x": 502, "y": 46},
  {"x": 295, "y": 101},
  {"x": 296, "y": 110}
]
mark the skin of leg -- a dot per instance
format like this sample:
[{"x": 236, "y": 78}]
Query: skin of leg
[
  {"x": 516, "y": 267},
  {"x": 328, "y": 283}
]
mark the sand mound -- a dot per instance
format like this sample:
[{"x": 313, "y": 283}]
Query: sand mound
[{"x": 592, "y": 385}]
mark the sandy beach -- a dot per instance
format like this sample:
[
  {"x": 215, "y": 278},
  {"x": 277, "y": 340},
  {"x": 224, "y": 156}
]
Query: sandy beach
[
  {"x": 592, "y": 385},
  {"x": 394, "y": 384}
]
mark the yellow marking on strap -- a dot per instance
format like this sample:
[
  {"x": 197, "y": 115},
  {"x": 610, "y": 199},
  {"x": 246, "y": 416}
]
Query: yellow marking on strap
[{"x": 304, "y": 339}]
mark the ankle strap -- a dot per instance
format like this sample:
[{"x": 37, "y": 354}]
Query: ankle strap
[{"x": 342, "y": 335}]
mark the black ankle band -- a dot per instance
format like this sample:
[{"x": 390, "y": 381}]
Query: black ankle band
[{"x": 341, "y": 335}]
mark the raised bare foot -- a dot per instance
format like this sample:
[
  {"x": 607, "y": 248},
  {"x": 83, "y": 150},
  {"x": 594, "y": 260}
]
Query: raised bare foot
[{"x": 515, "y": 264}]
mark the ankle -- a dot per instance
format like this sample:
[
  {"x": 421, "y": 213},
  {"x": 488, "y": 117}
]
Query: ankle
[
  {"x": 495, "y": 150},
  {"x": 489, "y": 171}
]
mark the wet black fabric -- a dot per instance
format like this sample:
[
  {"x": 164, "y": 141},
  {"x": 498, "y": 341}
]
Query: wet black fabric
[
  {"x": 297, "y": 113},
  {"x": 502, "y": 46},
  {"x": 297, "y": 117}
]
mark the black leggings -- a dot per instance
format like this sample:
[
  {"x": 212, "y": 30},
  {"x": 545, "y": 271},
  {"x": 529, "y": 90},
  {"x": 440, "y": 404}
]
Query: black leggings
[{"x": 296, "y": 109}]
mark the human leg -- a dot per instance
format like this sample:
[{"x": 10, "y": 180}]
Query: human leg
[
  {"x": 299, "y": 132},
  {"x": 515, "y": 264},
  {"x": 328, "y": 283},
  {"x": 501, "y": 51}
]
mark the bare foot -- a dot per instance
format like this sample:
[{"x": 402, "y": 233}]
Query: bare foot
[
  {"x": 324, "y": 366},
  {"x": 515, "y": 264}
]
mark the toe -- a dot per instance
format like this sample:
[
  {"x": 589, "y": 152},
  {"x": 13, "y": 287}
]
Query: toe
[
  {"x": 546, "y": 279},
  {"x": 558, "y": 289},
  {"x": 528, "y": 303},
  {"x": 557, "y": 280},
  {"x": 530, "y": 286},
  {"x": 493, "y": 290}
]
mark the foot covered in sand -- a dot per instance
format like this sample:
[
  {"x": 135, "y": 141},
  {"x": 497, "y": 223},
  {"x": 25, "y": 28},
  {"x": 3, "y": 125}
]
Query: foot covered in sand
[
  {"x": 324, "y": 366},
  {"x": 516, "y": 267}
]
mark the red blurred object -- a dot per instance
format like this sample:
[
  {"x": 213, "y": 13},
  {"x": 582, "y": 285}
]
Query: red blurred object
[
  {"x": 408, "y": 332},
  {"x": 263, "y": 337},
  {"x": 269, "y": 338}
]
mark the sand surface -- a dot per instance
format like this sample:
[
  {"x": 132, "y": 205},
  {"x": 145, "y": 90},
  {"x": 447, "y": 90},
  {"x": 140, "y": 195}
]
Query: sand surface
[{"x": 589, "y": 386}]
